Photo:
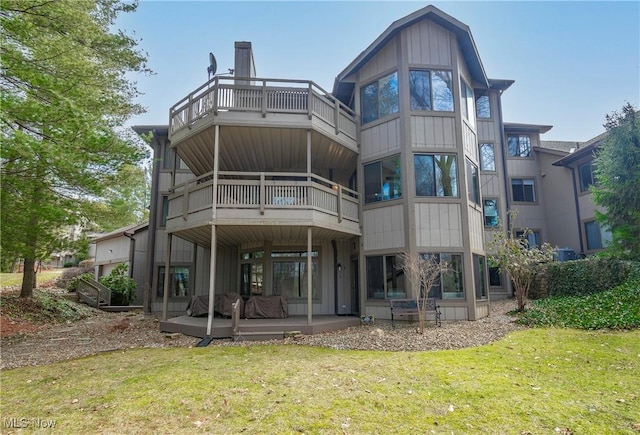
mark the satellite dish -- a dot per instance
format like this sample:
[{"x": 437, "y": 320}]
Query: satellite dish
[{"x": 213, "y": 65}]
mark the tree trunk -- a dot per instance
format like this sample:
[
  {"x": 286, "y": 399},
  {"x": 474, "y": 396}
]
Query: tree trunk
[{"x": 28, "y": 278}]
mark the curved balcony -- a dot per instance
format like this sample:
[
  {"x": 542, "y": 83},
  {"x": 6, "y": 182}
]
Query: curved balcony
[
  {"x": 258, "y": 101},
  {"x": 265, "y": 200}
]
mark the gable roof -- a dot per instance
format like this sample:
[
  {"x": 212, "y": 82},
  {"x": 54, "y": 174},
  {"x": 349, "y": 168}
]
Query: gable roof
[
  {"x": 342, "y": 90},
  {"x": 129, "y": 230},
  {"x": 583, "y": 149}
]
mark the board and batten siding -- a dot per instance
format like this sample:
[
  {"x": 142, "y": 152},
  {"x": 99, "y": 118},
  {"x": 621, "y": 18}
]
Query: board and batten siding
[
  {"x": 438, "y": 224},
  {"x": 476, "y": 229},
  {"x": 433, "y": 132},
  {"x": 486, "y": 130},
  {"x": 491, "y": 184},
  {"x": 383, "y": 228},
  {"x": 428, "y": 44},
  {"x": 383, "y": 62},
  {"x": 181, "y": 250},
  {"x": 380, "y": 139}
]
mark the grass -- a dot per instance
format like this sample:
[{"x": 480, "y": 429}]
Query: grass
[
  {"x": 534, "y": 381},
  {"x": 618, "y": 308},
  {"x": 15, "y": 279}
]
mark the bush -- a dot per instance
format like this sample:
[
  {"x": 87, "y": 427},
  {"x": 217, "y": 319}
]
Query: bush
[
  {"x": 74, "y": 272},
  {"x": 123, "y": 288},
  {"x": 618, "y": 308},
  {"x": 582, "y": 277}
]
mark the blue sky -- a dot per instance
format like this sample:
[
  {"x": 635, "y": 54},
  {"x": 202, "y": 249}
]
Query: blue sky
[{"x": 572, "y": 62}]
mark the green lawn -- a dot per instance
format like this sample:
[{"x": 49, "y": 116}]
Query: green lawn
[
  {"x": 536, "y": 381},
  {"x": 11, "y": 279}
]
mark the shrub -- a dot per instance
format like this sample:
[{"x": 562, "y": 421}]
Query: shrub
[
  {"x": 74, "y": 272},
  {"x": 123, "y": 288},
  {"x": 582, "y": 277},
  {"x": 618, "y": 308}
]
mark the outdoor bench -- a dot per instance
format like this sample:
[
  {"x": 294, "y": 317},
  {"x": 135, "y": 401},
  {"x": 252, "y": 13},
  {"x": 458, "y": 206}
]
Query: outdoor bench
[{"x": 409, "y": 307}]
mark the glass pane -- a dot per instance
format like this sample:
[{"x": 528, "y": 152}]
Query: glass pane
[
  {"x": 487, "y": 157},
  {"x": 480, "y": 276},
  {"x": 529, "y": 191},
  {"x": 442, "y": 91},
  {"x": 592, "y": 230},
  {"x": 425, "y": 175},
  {"x": 514, "y": 151},
  {"x": 420, "y": 90},
  {"x": 463, "y": 99},
  {"x": 446, "y": 175},
  {"x": 490, "y": 208},
  {"x": 178, "y": 281},
  {"x": 495, "y": 277},
  {"x": 375, "y": 278},
  {"x": 436, "y": 290},
  {"x": 372, "y": 183},
  {"x": 394, "y": 277},
  {"x": 392, "y": 186},
  {"x": 525, "y": 146},
  {"x": 472, "y": 180},
  {"x": 369, "y": 102},
  {"x": 586, "y": 176},
  {"x": 452, "y": 280},
  {"x": 388, "y": 99},
  {"x": 483, "y": 109}
]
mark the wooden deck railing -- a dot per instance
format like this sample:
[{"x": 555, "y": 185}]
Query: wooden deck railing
[
  {"x": 263, "y": 96},
  {"x": 93, "y": 293},
  {"x": 264, "y": 190}
]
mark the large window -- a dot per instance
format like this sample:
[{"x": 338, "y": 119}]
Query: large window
[
  {"x": 487, "y": 157},
  {"x": 587, "y": 176},
  {"x": 178, "y": 281},
  {"x": 380, "y": 98},
  {"x": 483, "y": 108},
  {"x": 473, "y": 184},
  {"x": 466, "y": 102},
  {"x": 490, "y": 211},
  {"x": 382, "y": 180},
  {"x": 495, "y": 277},
  {"x": 431, "y": 90},
  {"x": 523, "y": 190},
  {"x": 449, "y": 285},
  {"x": 597, "y": 237},
  {"x": 251, "y": 273},
  {"x": 385, "y": 277},
  {"x": 519, "y": 146},
  {"x": 291, "y": 275},
  {"x": 436, "y": 175},
  {"x": 480, "y": 276}
]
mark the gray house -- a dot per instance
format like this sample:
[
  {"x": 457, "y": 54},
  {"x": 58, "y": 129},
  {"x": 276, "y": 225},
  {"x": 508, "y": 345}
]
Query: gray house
[{"x": 277, "y": 188}]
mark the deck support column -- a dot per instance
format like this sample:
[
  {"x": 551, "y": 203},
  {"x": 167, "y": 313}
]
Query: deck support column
[
  {"x": 167, "y": 269},
  {"x": 212, "y": 280},
  {"x": 309, "y": 279}
]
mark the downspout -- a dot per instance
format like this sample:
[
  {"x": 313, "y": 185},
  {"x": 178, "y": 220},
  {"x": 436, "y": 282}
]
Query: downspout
[
  {"x": 504, "y": 163},
  {"x": 335, "y": 276},
  {"x": 575, "y": 198},
  {"x": 153, "y": 227}
]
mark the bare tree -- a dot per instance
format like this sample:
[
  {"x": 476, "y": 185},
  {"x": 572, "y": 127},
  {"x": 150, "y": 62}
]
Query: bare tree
[{"x": 423, "y": 271}]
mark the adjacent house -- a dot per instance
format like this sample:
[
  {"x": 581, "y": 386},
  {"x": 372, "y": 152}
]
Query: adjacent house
[{"x": 271, "y": 187}]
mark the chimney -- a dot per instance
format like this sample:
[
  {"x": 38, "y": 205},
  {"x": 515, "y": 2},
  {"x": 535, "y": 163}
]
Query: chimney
[{"x": 244, "y": 64}]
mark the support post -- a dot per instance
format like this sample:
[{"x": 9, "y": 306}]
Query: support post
[
  {"x": 212, "y": 280},
  {"x": 309, "y": 279},
  {"x": 167, "y": 269}
]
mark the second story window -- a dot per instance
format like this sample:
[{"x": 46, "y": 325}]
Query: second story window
[
  {"x": 380, "y": 98},
  {"x": 436, "y": 175},
  {"x": 473, "y": 184},
  {"x": 519, "y": 146},
  {"x": 382, "y": 180},
  {"x": 466, "y": 102},
  {"x": 431, "y": 90},
  {"x": 523, "y": 190},
  {"x": 587, "y": 176}
]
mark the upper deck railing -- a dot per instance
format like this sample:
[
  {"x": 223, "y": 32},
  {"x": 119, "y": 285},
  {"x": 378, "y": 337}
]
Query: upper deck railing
[{"x": 232, "y": 94}]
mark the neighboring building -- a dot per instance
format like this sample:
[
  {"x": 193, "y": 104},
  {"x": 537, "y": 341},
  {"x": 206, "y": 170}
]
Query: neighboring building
[
  {"x": 278, "y": 187},
  {"x": 126, "y": 245}
]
